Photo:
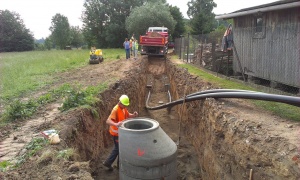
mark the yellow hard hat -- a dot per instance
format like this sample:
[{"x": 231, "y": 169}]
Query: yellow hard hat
[{"x": 124, "y": 99}]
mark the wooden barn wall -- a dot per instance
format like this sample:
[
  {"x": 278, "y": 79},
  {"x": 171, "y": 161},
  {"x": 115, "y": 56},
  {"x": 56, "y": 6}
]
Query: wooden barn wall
[{"x": 275, "y": 56}]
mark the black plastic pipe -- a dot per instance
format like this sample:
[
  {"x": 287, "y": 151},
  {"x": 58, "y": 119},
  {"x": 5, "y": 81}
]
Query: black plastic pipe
[
  {"x": 221, "y": 90},
  {"x": 295, "y": 101},
  {"x": 149, "y": 94}
]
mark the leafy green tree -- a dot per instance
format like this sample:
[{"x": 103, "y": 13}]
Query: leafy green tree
[
  {"x": 48, "y": 43},
  {"x": 60, "y": 30},
  {"x": 39, "y": 47},
  {"x": 94, "y": 20},
  {"x": 13, "y": 34},
  {"x": 179, "y": 27},
  {"x": 202, "y": 17},
  {"x": 151, "y": 14},
  {"x": 76, "y": 36},
  {"x": 104, "y": 21}
]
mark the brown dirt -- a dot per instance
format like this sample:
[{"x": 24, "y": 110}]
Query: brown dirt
[{"x": 237, "y": 124}]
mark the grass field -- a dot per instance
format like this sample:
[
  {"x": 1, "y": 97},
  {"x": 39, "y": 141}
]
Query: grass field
[{"x": 22, "y": 72}]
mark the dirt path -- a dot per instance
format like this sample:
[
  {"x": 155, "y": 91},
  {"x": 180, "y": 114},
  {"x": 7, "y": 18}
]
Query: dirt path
[{"x": 15, "y": 137}]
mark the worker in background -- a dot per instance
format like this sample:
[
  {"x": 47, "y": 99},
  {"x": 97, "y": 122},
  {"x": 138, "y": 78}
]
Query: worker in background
[
  {"x": 130, "y": 43},
  {"x": 118, "y": 114},
  {"x": 132, "y": 37},
  {"x": 135, "y": 48},
  {"x": 227, "y": 41},
  {"x": 126, "y": 45},
  {"x": 92, "y": 52}
]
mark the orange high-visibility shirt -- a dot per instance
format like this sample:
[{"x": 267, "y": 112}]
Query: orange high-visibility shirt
[{"x": 117, "y": 115}]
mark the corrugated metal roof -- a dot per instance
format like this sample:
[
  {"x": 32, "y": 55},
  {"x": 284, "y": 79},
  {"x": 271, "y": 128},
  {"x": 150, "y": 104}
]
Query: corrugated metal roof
[
  {"x": 283, "y": 4},
  {"x": 267, "y": 5}
]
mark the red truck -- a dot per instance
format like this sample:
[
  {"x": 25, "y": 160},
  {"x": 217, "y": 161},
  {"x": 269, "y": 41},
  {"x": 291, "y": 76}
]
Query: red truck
[{"x": 155, "y": 42}]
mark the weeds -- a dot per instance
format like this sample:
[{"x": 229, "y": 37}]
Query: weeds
[
  {"x": 18, "y": 110},
  {"x": 74, "y": 97},
  {"x": 32, "y": 148},
  {"x": 80, "y": 97},
  {"x": 93, "y": 111},
  {"x": 65, "y": 154},
  {"x": 46, "y": 98},
  {"x": 4, "y": 165}
]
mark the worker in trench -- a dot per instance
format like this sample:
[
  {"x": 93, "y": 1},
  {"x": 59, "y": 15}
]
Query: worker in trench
[{"x": 118, "y": 114}]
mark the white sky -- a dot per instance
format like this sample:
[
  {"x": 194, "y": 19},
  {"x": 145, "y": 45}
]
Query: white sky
[{"x": 37, "y": 14}]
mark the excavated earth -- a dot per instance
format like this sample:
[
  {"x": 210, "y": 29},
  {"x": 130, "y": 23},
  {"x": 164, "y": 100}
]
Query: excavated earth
[{"x": 217, "y": 138}]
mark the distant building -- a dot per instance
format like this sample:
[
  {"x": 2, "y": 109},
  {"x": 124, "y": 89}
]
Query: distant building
[{"x": 267, "y": 40}]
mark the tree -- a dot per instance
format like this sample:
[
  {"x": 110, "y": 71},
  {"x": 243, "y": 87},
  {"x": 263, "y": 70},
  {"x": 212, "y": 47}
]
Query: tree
[
  {"x": 148, "y": 15},
  {"x": 76, "y": 37},
  {"x": 60, "y": 30},
  {"x": 48, "y": 43},
  {"x": 202, "y": 18},
  {"x": 104, "y": 21},
  {"x": 179, "y": 27},
  {"x": 13, "y": 34}
]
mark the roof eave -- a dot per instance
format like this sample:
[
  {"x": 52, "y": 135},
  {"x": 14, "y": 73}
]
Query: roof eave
[{"x": 254, "y": 11}]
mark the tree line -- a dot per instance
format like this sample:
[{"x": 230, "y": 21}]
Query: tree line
[{"x": 107, "y": 23}]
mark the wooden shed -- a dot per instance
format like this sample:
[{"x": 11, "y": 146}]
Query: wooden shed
[{"x": 267, "y": 40}]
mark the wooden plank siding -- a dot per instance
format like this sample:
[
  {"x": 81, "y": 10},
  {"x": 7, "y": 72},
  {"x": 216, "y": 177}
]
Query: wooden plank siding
[{"x": 274, "y": 56}]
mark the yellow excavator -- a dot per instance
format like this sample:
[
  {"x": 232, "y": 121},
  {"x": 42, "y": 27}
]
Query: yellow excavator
[{"x": 96, "y": 56}]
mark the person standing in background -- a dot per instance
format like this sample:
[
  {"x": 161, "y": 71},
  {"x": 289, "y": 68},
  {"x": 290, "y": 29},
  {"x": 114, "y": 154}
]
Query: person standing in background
[
  {"x": 135, "y": 46},
  {"x": 130, "y": 43},
  {"x": 126, "y": 45}
]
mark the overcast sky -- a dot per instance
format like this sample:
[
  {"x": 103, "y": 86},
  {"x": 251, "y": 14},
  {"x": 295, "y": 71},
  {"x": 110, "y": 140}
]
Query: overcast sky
[{"x": 37, "y": 14}]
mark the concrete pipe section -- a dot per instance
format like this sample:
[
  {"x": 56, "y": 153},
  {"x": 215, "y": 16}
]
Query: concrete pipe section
[{"x": 146, "y": 151}]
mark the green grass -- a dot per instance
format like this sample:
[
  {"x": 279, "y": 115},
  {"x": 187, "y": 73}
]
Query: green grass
[
  {"x": 74, "y": 96},
  {"x": 4, "y": 165},
  {"x": 79, "y": 96},
  {"x": 280, "y": 109},
  {"x": 22, "y": 72},
  {"x": 26, "y": 72}
]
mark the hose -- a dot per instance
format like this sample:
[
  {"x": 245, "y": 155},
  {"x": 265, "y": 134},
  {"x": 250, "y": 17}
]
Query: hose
[
  {"x": 149, "y": 94},
  {"x": 220, "y": 90},
  {"x": 295, "y": 101}
]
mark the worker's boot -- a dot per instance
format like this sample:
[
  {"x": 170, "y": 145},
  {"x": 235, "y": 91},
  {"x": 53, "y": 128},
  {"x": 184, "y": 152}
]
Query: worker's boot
[{"x": 110, "y": 168}]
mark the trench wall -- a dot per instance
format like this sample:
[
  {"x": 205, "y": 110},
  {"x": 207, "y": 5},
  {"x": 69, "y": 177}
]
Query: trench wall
[
  {"x": 223, "y": 147},
  {"x": 227, "y": 147}
]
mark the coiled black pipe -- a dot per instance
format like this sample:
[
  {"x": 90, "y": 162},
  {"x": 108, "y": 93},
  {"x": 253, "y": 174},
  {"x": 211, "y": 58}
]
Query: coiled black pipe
[{"x": 295, "y": 101}]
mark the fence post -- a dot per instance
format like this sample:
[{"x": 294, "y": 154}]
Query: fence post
[
  {"x": 188, "y": 48},
  {"x": 180, "y": 46}
]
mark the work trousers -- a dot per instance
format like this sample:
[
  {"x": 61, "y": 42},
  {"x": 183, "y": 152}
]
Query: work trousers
[
  {"x": 115, "y": 152},
  {"x": 127, "y": 53},
  {"x": 135, "y": 52}
]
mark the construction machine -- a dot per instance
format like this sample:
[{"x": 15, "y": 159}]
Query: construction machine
[{"x": 96, "y": 56}]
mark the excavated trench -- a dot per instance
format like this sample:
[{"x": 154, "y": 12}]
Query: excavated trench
[{"x": 212, "y": 143}]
